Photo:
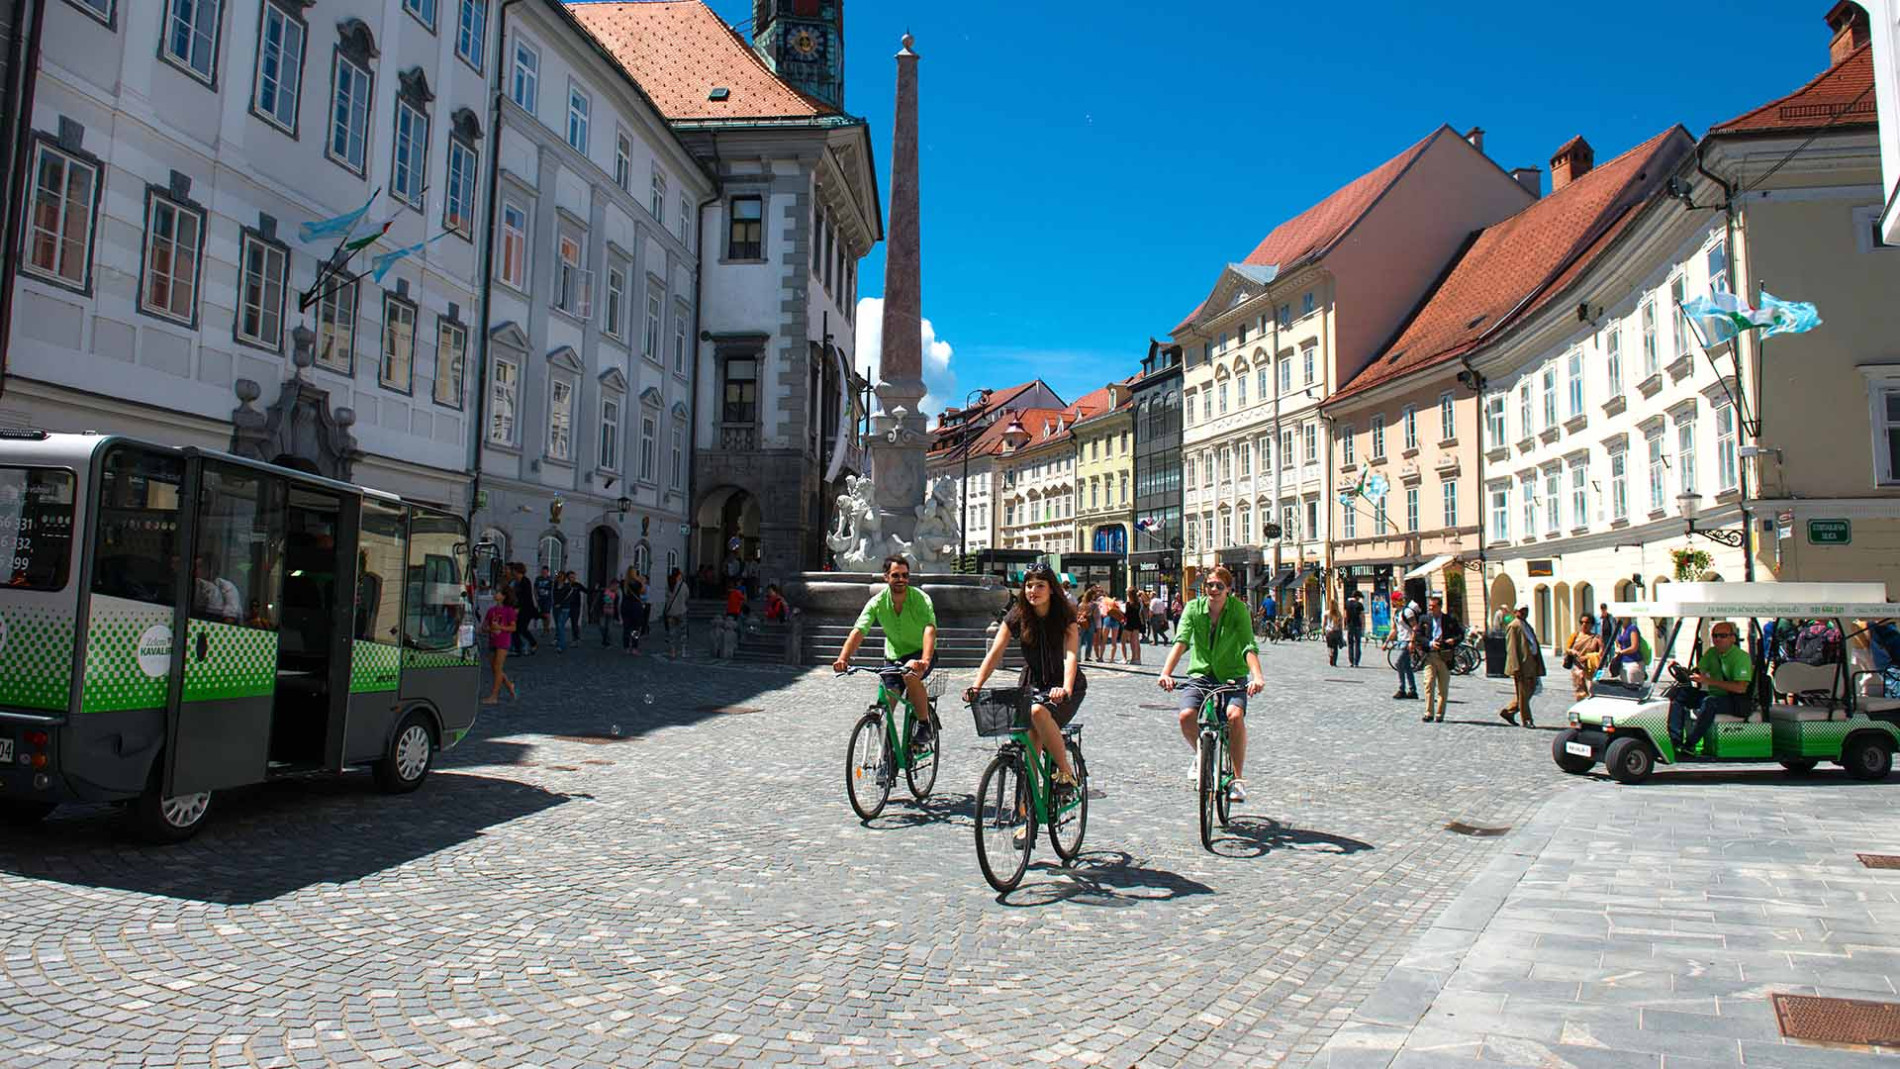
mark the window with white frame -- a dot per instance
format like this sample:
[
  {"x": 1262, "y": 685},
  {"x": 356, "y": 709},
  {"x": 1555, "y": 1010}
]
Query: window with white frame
[
  {"x": 1553, "y": 501},
  {"x": 263, "y": 267},
  {"x": 1222, "y": 390},
  {"x": 656, "y": 305},
  {"x": 103, "y": 10},
  {"x": 512, "y": 265},
  {"x": 1411, "y": 508},
  {"x": 1527, "y": 496},
  {"x": 1549, "y": 382},
  {"x": 649, "y": 444},
  {"x": 1312, "y": 517},
  {"x": 1347, "y": 447},
  {"x": 623, "y": 161},
  {"x": 504, "y": 395},
  {"x": 679, "y": 457},
  {"x": 191, "y": 37},
  {"x": 560, "y": 419},
  {"x": 524, "y": 82},
  {"x": 1240, "y": 388},
  {"x": 174, "y": 239},
  {"x": 609, "y": 457},
  {"x": 681, "y": 314},
  {"x": 1686, "y": 454},
  {"x": 451, "y": 361},
  {"x": 1207, "y": 470},
  {"x": 1450, "y": 494},
  {"x": 1226, "y": 529},
  {"x": 1378, "y": 436},
  {"x": 1286, "y": 375},
  {"x": 397, "y": 371},
  {"x": 1727, "y": 463},
  {"x": 336, "y": 327},
  {"x": 1188, "y": 407},
  {"x": 1207, "y": 404},
  {"x": 1306, "y": 304},
  {"x": 656, "y": 197},
  {"x": 580, "y": 109},
  {"x": 471, "y": 27},
  {"x": 350, "y": 94},
  {"x": 1613, "y": 360},
  {"x": 1261, "y": 381},
  {"x": 684, "y": 220},
  {"x": 1243, "y": 523},
  {"x": 423, "y": 10},
  {"x": 279, "y": 81},
  {"x": 1287, "y": 456},
  {"x": 1579, "y": 494},
  {"x": 1348, "y": 520},
  {"x": 458, "y": 203},
  {"x": 409, "y": 170},
  {"x": 573, "y": 283},
  {"x": 1619, "y": 484},
  {"x": 1658, "y": 468},
  {"x": 616, "y": 302},
  {"x": 1678, "y": 323},
  {"x": 1309, "y": 435},
  {"x": 1494, "y": 419},
  {"x": 1408, "y": 424},
  {"x": 1573, "y": 384},
  {"x": 1883, "y": 386},
  {"x": 1309, "y": 360},
  {"x": 1652, "y": 357},
  {"x": 1501, "y": 513},
  {"x": 1718, "y": 266},
  {"x": 60, "y": 219},
  {"x": 1447, "y": 418},
  {"x": 1289, "y": 523}
]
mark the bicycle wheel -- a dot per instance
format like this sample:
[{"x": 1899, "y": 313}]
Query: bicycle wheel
[
  {"x": 1005, "y": 823},
  {"x": 1224, "y": 791},
  {"x": 1068, "y": 824},
  {"x": 1392, "y": 654},
  {"x": 1466, "y": 662},
  {"x": 1208, "y": 784},
  {"x": 922, "y": 773},
  {"x": 867, "y": 767}
]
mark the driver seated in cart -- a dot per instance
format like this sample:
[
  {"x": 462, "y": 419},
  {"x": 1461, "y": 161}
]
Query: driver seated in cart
[{"x": 1726, "y": 672}]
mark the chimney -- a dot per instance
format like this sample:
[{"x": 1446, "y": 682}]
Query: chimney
[
  {"x": 1531, "y": 178},
  {"x": 1571, "y": 162},
  {"x": 1475, "y": 135},
  {"x": 1848, "y": 20}
]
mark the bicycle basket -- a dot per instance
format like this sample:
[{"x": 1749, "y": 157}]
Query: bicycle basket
[{"x": 1000, "y": 711}]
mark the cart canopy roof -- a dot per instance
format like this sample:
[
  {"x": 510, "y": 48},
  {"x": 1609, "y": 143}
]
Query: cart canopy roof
[{"x": 1764, "y": 601}]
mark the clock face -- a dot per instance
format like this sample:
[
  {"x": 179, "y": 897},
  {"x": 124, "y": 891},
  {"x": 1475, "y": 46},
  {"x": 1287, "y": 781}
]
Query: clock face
[{"x": 805, "y": 43}]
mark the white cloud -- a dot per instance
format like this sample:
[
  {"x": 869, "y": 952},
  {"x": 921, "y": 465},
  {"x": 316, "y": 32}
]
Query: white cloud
[{"x": 939, "y": 378}]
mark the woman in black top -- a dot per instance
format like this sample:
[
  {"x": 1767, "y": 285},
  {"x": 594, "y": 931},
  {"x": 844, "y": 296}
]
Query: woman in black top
[{"x": 1045, "y": 627}]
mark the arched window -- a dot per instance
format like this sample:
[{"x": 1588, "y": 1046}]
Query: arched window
[
  {"x": 643, "y": 559},
  {"x": 552, "y": 553},
  {"x": 491, "y": 557}
]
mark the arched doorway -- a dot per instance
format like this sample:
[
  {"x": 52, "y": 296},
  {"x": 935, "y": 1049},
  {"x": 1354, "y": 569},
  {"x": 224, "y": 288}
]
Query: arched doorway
[
  {"x": 603, "y": 556},
  {"x": 1584, "y": 597},
  {"x": 1540, "y": 613},
  {"x": 724, "y": 514},
  {"x": 1503, "y": 595},
  {"x": 1562, "y": 615}
]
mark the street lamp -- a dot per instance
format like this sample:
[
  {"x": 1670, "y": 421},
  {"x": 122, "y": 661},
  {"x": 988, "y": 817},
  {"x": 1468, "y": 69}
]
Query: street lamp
[
  {"x": 1689, "y": 504},
  {"x": 963, "y": 525}
]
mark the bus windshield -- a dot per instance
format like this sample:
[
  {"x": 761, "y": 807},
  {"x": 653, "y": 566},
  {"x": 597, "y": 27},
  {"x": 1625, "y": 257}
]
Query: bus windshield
[{"x": 36, "y": 526}]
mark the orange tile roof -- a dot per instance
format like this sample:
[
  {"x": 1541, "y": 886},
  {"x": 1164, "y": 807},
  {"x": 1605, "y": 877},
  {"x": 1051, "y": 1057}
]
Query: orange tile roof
[
  {"x": 1516, "y": 266},
  {"x": 1846, "y": 90},
  {"x": 679, "y": 51},
  {"x": 952, "y": 435}
]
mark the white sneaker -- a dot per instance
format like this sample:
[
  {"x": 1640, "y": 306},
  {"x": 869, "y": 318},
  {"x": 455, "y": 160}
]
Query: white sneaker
[{"x": 1237, "y": 791}]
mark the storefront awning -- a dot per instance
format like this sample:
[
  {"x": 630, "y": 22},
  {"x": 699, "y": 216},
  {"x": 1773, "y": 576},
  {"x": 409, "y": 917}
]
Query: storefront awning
[
  {"x": 1435, "y": 564},
  {"x": 1289, "y": 578}
]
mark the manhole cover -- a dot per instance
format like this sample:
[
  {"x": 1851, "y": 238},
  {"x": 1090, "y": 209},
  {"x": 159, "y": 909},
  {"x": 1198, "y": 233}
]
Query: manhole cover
[
  {"x": 1462, "y": 828},
  {"x": 1838, "y": 1020},
  {"x": 729, "y": 710},
  {"x": 1880, "y": 861}
]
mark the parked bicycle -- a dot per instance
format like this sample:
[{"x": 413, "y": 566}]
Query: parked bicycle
[
  {"x": 1465, "y": 657},
  {"x": 880, "y": 749},
  {"x": 1215, "y": 779},
  {"x": 1017, "y": 794}
]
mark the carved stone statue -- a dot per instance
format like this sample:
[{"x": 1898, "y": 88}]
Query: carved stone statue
[
  {"x": 938, "y": 526},
  {"x": 859, "y": 540}
]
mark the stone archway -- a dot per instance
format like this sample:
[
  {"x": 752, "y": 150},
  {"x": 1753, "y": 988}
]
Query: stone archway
[
  {"x": 603, "y": 556},
  {"x": 1503, "y": 595},
  {"x": 725, "y": 513}
]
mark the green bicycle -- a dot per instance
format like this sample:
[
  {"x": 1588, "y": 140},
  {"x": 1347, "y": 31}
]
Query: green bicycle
[
  {"x": 1017, "y": 794},
  {"x": 1215, "y": 780},
  {"x": 879, "y": 750}
]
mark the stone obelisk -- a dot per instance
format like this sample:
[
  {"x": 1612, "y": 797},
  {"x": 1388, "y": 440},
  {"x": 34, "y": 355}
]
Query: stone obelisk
[{"x": 902, "y": 433}]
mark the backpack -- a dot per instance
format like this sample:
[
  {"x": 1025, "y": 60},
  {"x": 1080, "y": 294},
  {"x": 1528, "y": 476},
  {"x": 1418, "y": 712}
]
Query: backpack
[
  {"x": 1814, "y": 645},
  {"x": 1643, "y": 651}
]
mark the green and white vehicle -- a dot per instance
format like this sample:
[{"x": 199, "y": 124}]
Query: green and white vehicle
[
  {"x": 1796, "y": 715},
  {"x": 324, "y": 626}
]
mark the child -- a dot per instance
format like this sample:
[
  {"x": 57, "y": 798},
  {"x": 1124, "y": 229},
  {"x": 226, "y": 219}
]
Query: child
[{"x": 499, "y": 625}]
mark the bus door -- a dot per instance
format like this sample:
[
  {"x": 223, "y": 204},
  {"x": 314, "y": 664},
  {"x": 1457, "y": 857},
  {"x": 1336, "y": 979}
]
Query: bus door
[
  {"x": 312, "y": 645},
  {"x": 375, "y": 631},
  {"x": 224, "y": 673},
  {"x": 439, "y": 663}
]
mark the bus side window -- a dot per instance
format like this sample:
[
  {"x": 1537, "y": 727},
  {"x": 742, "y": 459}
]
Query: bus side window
[
  {"x": 240, "y": 547},
  {"x": 136, "y": 554},
  {"x": 379, "y": 577},
  {"x": 433, "y": 603}
]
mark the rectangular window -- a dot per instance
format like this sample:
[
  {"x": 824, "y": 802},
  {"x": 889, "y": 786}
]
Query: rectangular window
[
  {"x": 574, "y": 284},
  {"x": 1525, "y": 427},
  {"x": 1450, "y": 494},
  {"x": 174, "y": 236},
  {"x": 1411, "y": 508},
  {"x": 1306, "y": 304},
  {"x": 1312, "y": 517},
  {"x": 649, "y": 431},
  {"x": 1447, "y": 419},
  {"x": 1188, "y": 406},
  {"x": 623, "y": 162},
  {"x": 656, "y": 303},
  {"x": 137, "y": 548},
  {"x": 1550, "y": 395},
  {"x": 349, "y": 115},
  {"x": 1207, "y": 469},
  {"x": 1727, "y": 466},
  {"x": 1619, "y": 485},
  {"x": 1408, "y": 423},
  {"x": 1613, "y": 360},
  {"x": 1207, "y": 404},
  {"x": 1886, "y": 422},
  {"x": 260, "y": 318},
  {"x": 1573, "y": 384},
  {"x": 1501, "y": 513},
  {"x": 1309, "y": 359},
  {"x": 423, "y": 10},
  {"x": 1240, "y": 391},
  {"x": 1349, "y": 520},
  {"x": 1527, "y": 494},
  {"x": 524, "y": 85},
  {"x": 745, "y": 230},
  {"x": 1652, "y": 359},
  {"x": 609, "y": 434},
  {"x": 1245, "y": 449},
  {"x": 1286, "y": 316},
  {"x": 1310, "y": 436},
  {"x": 279, "y": 67},
  {"x": 1678, "y": 323},
  {"x": 1347, "y": 448},
  {"x": 741, "y": 390},
  {"x": 685, "y": 220},
  {"x": 1222, "y": 389},
  {"x": 399, "y": 344},
  {"x": 1685, "y": 454},
  {"x": 1286, "y": 375},
  {"x": 1261, "y": 382},
  {"x": 191, "y": 37},
  {"x": 60, "y": 222},
  {"x": 100, "y": 9},
  {"x": 656, "y": 198},
  {"x": 513, "y": 265},
  {"x": 579, "y": 108},
  {"x": 451, "y": 360},
  {"x": 1553, "y": 501},
  {"x": 1378, "y": 437},
  {"x": 336, "y": 328},
  {"x": 1658, "y": 483},
  {"x": 504, "y": 393},
  {"x": 616, "y": 302},
  {"x": 680, "y": 315},
  {"x": 409, "y": 172},
  {"x": 679, "y": 457},
  {"x": 1494, "y": 419},
  {"x": 471, "y": 27},
  {"x": 560, "y": 419},
  {"x": 458, "y": 206},
  {"x": 36, "y": 528},
  {"x": 1718, "y": 266}
]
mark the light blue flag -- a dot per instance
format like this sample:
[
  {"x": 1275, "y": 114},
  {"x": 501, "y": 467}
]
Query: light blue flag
[
  {"x": 379, "y": 266},
  {"x": 1377, "y": 487},
  {"x": 1790, "y": 317},
  {"x": 337, "y": 227}
]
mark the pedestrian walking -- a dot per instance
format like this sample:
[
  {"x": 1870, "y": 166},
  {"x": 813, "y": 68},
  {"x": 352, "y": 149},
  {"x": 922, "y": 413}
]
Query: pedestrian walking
[
  {"x": 1086, "y": 619},
  {"x": 527, "y": 610},
  {"x": 673, "y": 615},
  {"x": 578, "y": 610},
  {"x": 606, "y": 610},
  {"x": 1355, "y": 627},
  {"x": 632, "y": 610},
  {"x": 1524, "y": 663},
  {"x": 1132, "y": 622},
  {"x": 1404, "y": 626},
  {"x": 499, "y": 625},
  {"x": 1335, "y": 635},
  {"x": 543, "y": 599},
  {"x": 564, "y": 598},
  {"x": 1441, "y": 634},
  {"x": 1158, "y": 616}
]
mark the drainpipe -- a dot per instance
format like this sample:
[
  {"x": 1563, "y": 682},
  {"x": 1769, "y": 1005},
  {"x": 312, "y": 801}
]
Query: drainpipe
[
  {"x": 488, "y": 259},
  {"x": 1735, "y": 353},
  {"x": 699, "y": 297},
  {"x": 24, "y": 65}
]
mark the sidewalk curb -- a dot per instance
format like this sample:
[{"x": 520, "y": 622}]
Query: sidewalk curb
[{"x": 1378, "y": 1029}]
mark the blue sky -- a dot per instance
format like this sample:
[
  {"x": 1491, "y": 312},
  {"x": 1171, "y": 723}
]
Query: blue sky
[{"x": 1087, "y": 169}]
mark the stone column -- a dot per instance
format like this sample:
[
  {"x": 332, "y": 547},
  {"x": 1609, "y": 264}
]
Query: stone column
[{"x": 897, "y": 452}]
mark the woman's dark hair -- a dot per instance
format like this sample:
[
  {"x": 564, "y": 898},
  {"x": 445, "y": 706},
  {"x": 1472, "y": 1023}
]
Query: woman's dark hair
[
  {"x": 505, "y": 596},
  {"x": 1052, "y": 627}
]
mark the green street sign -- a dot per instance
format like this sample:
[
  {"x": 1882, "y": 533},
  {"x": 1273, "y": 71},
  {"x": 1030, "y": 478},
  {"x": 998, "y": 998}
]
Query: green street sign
[{"x": 1830, "y": 532}]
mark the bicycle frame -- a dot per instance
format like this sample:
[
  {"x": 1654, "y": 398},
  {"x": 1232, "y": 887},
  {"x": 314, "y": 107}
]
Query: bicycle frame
[
  {"x": 1042, "y": 770},
  {"x": 1214, "y": 722},
  {"x": 899, "y": 740}
]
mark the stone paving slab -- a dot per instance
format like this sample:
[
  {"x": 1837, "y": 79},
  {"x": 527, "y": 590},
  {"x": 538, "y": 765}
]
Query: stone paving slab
[{"x": 1649, "y": 926}]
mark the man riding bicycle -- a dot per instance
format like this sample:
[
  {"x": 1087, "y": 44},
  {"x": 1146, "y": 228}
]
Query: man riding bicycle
[
  {"x": 909, "y": 621},
  {"x": 1217, "y": 634}
]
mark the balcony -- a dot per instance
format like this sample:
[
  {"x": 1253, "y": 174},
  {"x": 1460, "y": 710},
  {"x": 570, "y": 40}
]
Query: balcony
[{"x": 739, "y": 437}]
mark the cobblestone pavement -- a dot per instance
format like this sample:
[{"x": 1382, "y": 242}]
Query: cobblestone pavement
[{"x": 646, "y": 863}]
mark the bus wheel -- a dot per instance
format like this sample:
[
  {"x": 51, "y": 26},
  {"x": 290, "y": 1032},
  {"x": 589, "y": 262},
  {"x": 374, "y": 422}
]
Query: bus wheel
[
  {"x": 19, "y": 814},
  {"x": 167, "y": 820},
  {"x": 1867, "y": 757},
  {"x": 1629, "y": 760},
  {"x": 411, "y": 753}
]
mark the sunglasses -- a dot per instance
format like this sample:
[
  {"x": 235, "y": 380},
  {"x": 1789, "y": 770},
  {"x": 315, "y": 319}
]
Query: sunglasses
[
  {"x": 1214, "y": 585},
  {"x": 1722, "y": 634},
  {"x": 895, "y": 576}
]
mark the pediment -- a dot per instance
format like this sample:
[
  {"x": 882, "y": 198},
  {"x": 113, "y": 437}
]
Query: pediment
[
  {"x": 566, "y": 359},
  {"x": 679, "y": 410},
  {"x": 1237, "y": 284},
  {"x": 613, "y": 379},
  {"x": 652, "y": 396},
  {"x": 511, "y": 335}
]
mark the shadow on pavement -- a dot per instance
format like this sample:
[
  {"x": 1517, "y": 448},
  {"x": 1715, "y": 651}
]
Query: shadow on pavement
[
  {"x": 1260, "y": 836},
  {"x": 270, "y": 840},
  {"x": 954, "y": 809},
  {"x": 1500, "y": 722},
  {"x": 1103, "y": 878},
  {"x": 1762, "y": 775}
]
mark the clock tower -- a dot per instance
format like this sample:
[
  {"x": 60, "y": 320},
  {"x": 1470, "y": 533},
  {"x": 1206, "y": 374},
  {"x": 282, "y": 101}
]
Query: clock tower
[{"x": 803, "y": 42}]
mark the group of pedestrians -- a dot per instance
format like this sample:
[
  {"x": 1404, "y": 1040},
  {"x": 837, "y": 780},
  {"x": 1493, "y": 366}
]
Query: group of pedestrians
[{"x": 1111, "y": 627}]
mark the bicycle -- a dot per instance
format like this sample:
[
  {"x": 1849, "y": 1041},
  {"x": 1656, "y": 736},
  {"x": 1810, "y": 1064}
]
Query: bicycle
[
  {"x": 1395, "y": 650},
  {"x": 878, "y": 750},
  {"x": 1466, "y": 655},
  {"x": 1215, "y": 781},
  {"x": 1016, "y": 794}
]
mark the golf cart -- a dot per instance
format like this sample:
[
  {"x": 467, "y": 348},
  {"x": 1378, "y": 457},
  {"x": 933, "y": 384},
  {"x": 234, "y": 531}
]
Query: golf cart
[{"x": 1796, "y": 714}]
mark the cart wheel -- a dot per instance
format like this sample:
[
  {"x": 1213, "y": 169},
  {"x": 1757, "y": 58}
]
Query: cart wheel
[
  {"x": 1629, "y": 760},
  {"x": 1867, "y": 757},
  {"x": 23, "y": 814},
  {"x": 411, "y": 754},
  {"x": 1799, "y": 766},
  {"x": 1567, "y": 761},
  {"x": 166, "y": 820}
]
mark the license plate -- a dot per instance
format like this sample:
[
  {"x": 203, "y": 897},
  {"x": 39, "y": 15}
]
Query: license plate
[
  {"x": 1581, "y": 749},
  {"x": 6, "y": 751}
]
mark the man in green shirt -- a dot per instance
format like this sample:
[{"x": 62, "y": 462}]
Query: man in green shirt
[
  {"x": 1216, "y": 631},
  {"x": 909, "y": 621},
  {"x": 1725, "y": 672}
]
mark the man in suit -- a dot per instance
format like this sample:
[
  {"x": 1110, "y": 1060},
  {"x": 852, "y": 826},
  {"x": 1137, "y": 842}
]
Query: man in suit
[
  {"x": 1524, "y": 663},
  {"x": 1441, "y": 634}
]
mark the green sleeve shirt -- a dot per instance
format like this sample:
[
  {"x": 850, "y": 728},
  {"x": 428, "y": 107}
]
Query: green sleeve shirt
[
  {"x": 1217, "y": 652},
  {"x": 903, "y": 632},
  {"x": 1735, "y": 666}
]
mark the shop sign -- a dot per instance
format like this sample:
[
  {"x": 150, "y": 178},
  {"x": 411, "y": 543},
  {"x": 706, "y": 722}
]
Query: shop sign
[
  {"x": 1541, "y": 569},
  {"x": 1830, "y": 532},
  {"x": 1784, "y": 525}
]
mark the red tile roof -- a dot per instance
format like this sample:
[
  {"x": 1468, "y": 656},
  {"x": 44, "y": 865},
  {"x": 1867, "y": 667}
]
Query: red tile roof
[
  {"x": 950, "y": 436},
  {"x": 1516, "y": 266},
  {"x": 679, "y": 51},
  {"x": 1846, "y": 90}
]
